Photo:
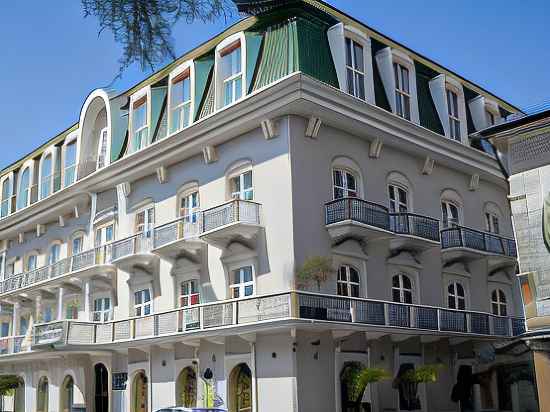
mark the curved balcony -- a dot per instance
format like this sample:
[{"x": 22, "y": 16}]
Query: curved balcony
[
  {"x": 178, "y": 237},
  {"x": 233, "y": 220},
  {"x": 357, "y": 218},
  {"x": 470, "y": 244},
  {"x": 134, "y": 251}
]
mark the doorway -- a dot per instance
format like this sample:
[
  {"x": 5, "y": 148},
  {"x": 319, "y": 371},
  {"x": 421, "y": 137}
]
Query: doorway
[{"x": 101, "y": 388}]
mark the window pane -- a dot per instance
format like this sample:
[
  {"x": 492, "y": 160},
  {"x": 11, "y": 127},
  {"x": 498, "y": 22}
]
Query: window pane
[
  {"x": 451, "y": 303},
  {"x": 249, "y": 290},
  {"x": 360, "y": 82},
  {"x": 354, "y": 276},
  {"x": 238, "y": 88},
  {"x": 406, "y": 282},
  {"x": 146, "y": 295},
  {"x": 342, "y": 289},
  {"x": 355, "y": 291},
  {"x": 461, "y": 304},
  {"x": 137, "y": 298},
  {"x": 237, "y": 276},
  {"x": 395, "y": 281},
  {"x": 337, "y": 178},
  {"x": 396, "y": 297},
  {"x": 351, "y": 88},
  {"x": 358, "y": 54},
  {"x": 348, "y": 52},
  {"x": 342, "y": 274},
  {"x": 247, "y": 272},
  {"x": 235, "y": 292},
  {"x": 350, "y": 181},
  {"x": 247, "y": 177},
  {"x": 407, "y": 296},
  {"x": 147, "y": 310}
]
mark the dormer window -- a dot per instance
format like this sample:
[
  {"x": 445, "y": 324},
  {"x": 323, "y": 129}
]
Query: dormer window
[
  {"x": 140, "y": 126},
  {"x": 454, "y": 119},
  {"x": 180, "y": 101},
  {"x": 402, "y": 91},
  {"x": 6, "y": 197},
  {"x": 355, "y": 69},
  {"x": 231, "y": 72},
  {"x": 23, "y": 194},
  {"x": 46, "y": 178},
  {"x": 70, "y": 163}
]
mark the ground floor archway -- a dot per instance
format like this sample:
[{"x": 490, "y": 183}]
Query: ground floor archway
[
  {"x": 240, "y": 389},
  {"x": 101, "y": 396},
  {"x": 186, "y": 388},
  {"x": 139, "y": 401},
  {"x": 42, "y": 395},
  {"x": 66, "y": 395}
]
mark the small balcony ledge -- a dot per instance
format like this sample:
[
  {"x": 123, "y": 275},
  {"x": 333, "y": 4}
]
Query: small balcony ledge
[{"x": 177, "y": 238}]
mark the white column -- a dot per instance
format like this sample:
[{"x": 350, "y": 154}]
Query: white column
[
  {"x": 87, "y": 290},
  {"x": 16, "y": 321},
  {"x": 60, "y": 303},
  {"x": 38, "y": 309}
]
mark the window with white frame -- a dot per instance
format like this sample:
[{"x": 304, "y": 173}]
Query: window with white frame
[
  {"x": 46, "y": 177},
  {"x": 402, "y": 289},
  {"x": 454, "y": 119},
  {"x": 348, "y": 281},
  {"x": 77, "y": 244},
  {"x": 142, "y": 302},
  {"x": 499, "y": 304},
  {"x": 243, "y": 282},
  {"x": 189, "y": 207},
  {"x": 102, "y": 147},
  {"x": 241, "y": 186},
  {"x": 55, "y": 253},
  {"x": 402, "y": 91},
  {"x": 71, "y": 310},
  {"x": 355, "y": 68},
  {"x": 456, "y": 297},
  {"x": 6, "y": 197},
  {"x": 70, "y": 164},
  {"x": 140, "y": 126},
  {"x": 231, "y": 72},
  {"x": 24, "y": 324},
  {"x": 180, "y": 101},
  {"x": 10, "y": 268},
  {"x": 450, "y": 216},
  {"x": 398, "y": 198},
  {"x": 145, "y": 220},
  {"x": 189, "y": 293},
  {"x": 344, "y": 184},
  {"x": 104, "y": 234},
  {"x": 491, "y": 223},
  {"x": 23, "y": 194},
  {"x": 102, "y": 309},
  {"x": 32, "y": 263}
]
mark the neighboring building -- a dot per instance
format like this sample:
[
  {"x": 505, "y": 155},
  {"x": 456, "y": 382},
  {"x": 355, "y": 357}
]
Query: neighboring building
[
  {"x": 523, "y": 146},
  {"x": 149, "y": 251}
]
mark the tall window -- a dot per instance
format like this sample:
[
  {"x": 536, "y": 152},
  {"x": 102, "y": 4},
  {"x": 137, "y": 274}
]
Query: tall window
[
  {"x": 498, "y": 303},
  {"x": 6, "y": 196},
  {"x": 23, "y": 195},
  {"x": 231, "y": 73},
  {"x": 70, "y": 164},
  {"x": 72, "y": 310},
  {"x": 355, "y": 68},
  {"x": 402, "y": 91},
  {"x": 348, "y": 281},
  {"x": 491, "y": 223},
  {"x": 243, "y": 282},
  {"x": 102, "y": 147},
  {"x": 46, "y": 182},
  {"x": 344, "y": 184},
  {"x": 142, "y": 302},
  {"x": 77, "y": 244},
  {"x": 104, "y": 234},
  {"x": 399, "y": 201},
  {"x": 55, "y": 252},
  {"x": 189, "y": 207},
  {"x": 402, "y": 291},
  {"x": 180, "y": 102},
  {"x": 140, "y": 128},
  {"x": 241, "y": 186},
  {"x": 449, "y": 214},
  {"x": 102, "y": 310},
  {"x": 145, "y": 220},
  {"x": 455, "y": 297},
  {"x": 31, "y": 263},
  {"x": 189, "y": 293},
  {"x": 454, "y": 120}
]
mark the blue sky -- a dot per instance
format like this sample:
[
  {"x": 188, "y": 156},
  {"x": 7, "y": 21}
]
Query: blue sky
[{"x": 52, "y": 57}]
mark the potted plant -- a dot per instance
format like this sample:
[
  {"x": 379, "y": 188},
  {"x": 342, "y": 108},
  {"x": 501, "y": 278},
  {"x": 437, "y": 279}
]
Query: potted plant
[
  {"x": 315, "y": 270},
  {"x": 423, "y": 374},
  {"x": 356, "y": 382}
]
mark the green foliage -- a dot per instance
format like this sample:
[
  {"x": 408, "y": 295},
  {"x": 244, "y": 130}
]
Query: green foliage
[
  {"x": 8, "y": 384},
  {"x": 358, "y": 378},
  {"x": 316, "y": 269},
  {"x": 423, "y": 374}
]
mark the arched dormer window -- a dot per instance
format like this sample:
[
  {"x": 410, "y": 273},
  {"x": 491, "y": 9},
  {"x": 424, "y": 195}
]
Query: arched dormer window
[
  {"x": 448, "y": 97},
  {"x": 181, "y": 97},
  {"x": 46, "y": 176},
  {"x": 230, "y": 73},
  {"x": 24, "y": 189},
  {"x": 139, "y": 120},
  {"x": 7, "y": 194},
  {"x": 102, "y": 149},
  {"x": 451, "y": 209},
  {"x": 346, "y": 178},
  {"x": 69, "y": 160},
  {"x": 499, "y": 303}
]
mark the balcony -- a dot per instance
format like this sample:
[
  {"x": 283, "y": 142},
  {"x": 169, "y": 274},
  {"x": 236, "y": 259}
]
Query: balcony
[
  {"x": 176, "y": 238},
  {"x": 236, "y": 220},
  {"x": 470, "y": 244},
  {"x": 86, "y": 264},
  {"x": 134, "y": 251},
  {"x": 10, "y": 345},
  {"x": 290, "y": 309},
  {"x": 361, "y": 219}
]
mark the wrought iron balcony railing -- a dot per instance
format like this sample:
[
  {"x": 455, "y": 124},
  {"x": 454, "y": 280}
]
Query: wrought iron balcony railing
[
  {"x": 415, "y": 225},
  {"x": 234, "y": 211},
  {"x": 464, "y": 237},
  {"x": 12, "y": 344}
]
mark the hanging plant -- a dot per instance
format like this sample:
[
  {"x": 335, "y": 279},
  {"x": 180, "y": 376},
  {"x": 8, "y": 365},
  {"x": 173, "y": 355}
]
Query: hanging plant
[
  {"x": 8, "y": 384},
  {"x": 358, "y": 379},
  {"x": 316, "y": 269},
  {"x": 423, "y": 374}
]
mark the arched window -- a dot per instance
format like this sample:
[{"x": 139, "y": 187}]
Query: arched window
[
  {"x": 348, "y": 281},
  {"x": 102, "y": 149},
  {"x": 492, "y": 216},
  {"x": 240, "y": 389},
  {"x": 398, "y": 196},
  {"x": 402, "y": 290},
  {"x": 139, "y": 401},
  {"x": 499, "y": 303},
  {"x": 451, "y": 209},
  {"x": 189, "y": 293},
  {"x": 69, "y": 166},
  {"x": 189, "y": 206},
  {"x": 32, "y": 262},
  {"x": 55, "y": 253},
  {"x": 23, "y": 194},
  {"x": 344, "y": 183},
  {"x": 241, "y": 186},
  {"x": 66, "y": 396},
  {"x": 186, "y": 388},
  {"x": 456, "y": 297},
  {"x": 46, "y": 177},
  {"x": 5, "y": 208},
  {"x": 77, "y": 243},
  {"x": 42, "y": 395}
]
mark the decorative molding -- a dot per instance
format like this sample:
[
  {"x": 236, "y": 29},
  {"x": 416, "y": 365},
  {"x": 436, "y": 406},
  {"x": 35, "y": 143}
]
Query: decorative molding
[
  {"x": 210, "y": 154},
  {"x": 313, "y": 126},
  {"x": 40, "y": 229},
  {"x": 270, "y": 128},
  {"x": 474, "y": 182},
  {"x": 76, "y": 212},
  {"x": 428, "y": 166},
  {"x": 125, "y": 188},
  {"x": 21, "y": 238},
  {"x": 375, "y": 148},
  {"x": 61, "y": 221},
  {"x": 162, "y": 174}
]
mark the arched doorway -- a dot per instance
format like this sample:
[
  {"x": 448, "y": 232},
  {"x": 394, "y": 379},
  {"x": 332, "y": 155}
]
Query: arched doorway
[
  {"x": 240, "y": 389},
  {"x": 101, "y": 398},
  {"x": 66, "y": 395},
  {"x": 19, "y": 397},
  {"x": 42, "y": 395},
  {"x": 186, "y": 389},
  {"x": 139, "y": 393},
  {"x": 348, "y": 397}
]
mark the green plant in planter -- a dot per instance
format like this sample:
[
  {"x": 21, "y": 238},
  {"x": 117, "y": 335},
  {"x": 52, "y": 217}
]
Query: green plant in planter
[
  {"x": 316, "y": 269},
  {"x": 8, "y": 384},
  {"x": 358, "y": 380},
  {"x": 423, "y": 374}
]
